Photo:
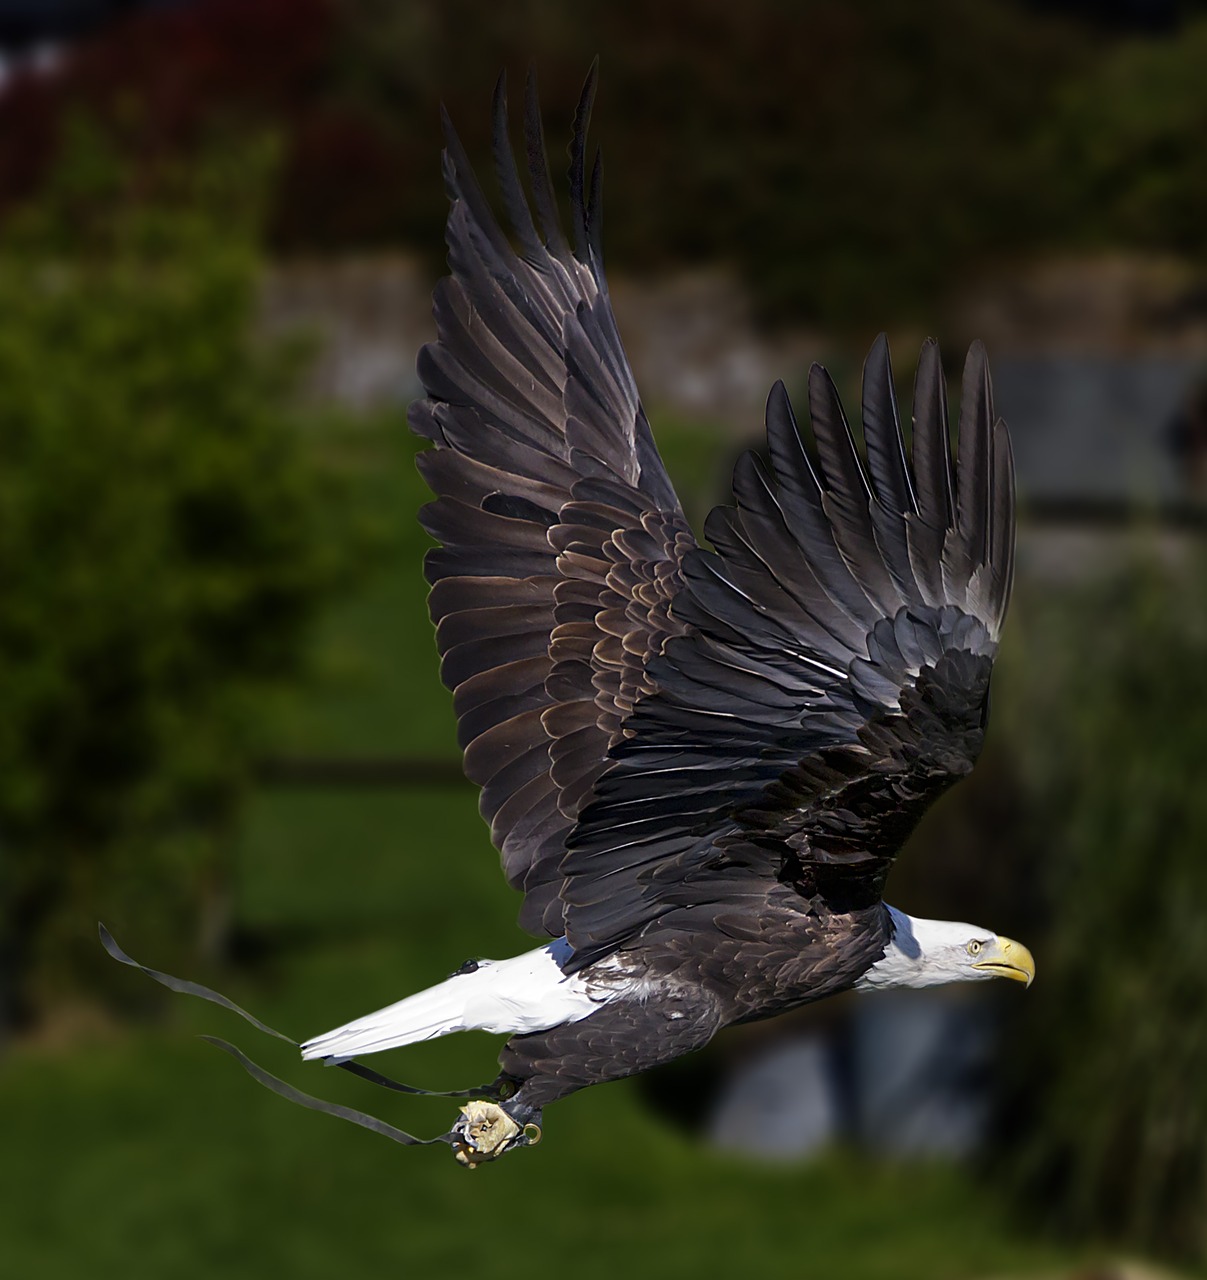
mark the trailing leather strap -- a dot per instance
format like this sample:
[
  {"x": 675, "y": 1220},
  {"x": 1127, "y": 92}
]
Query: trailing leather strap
[
  {"x": 187, "y": 988},
  {"x": 287, "y": 1091},
  {"x": 280, "y": 1087}
]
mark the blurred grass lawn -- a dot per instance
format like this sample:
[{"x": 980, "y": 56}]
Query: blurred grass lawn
[{"x": 149, "y": 1154}]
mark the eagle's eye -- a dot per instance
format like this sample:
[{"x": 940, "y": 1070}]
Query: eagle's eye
[{"x": 974, "y": 948}]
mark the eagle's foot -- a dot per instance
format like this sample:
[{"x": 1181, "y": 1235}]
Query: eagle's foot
[{"x": 485, "y": 1131}]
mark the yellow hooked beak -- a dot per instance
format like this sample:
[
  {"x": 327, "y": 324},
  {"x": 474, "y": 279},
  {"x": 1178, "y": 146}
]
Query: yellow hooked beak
[{"x": 1005, "y": 958}]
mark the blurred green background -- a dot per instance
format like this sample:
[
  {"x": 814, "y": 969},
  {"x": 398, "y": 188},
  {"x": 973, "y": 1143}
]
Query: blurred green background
[{"x": 223, "y": 729}]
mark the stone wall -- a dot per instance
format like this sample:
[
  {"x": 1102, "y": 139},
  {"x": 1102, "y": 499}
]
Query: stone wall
[
  {"x": 690, "y": 337},
  {"x": 1098, "y": 363}
]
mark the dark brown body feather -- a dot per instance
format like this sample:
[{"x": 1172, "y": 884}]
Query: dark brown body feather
[
  {"x": 697, "y": 764},
  {"x": 760, "y": 960}
]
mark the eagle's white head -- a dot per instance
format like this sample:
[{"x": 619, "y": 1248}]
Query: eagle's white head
[{"x": 927, "y": 953}]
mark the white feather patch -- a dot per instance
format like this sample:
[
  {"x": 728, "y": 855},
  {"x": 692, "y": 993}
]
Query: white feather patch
[
  {"x": 925, "y": 953},
  {"x": 526, "y": 993}
]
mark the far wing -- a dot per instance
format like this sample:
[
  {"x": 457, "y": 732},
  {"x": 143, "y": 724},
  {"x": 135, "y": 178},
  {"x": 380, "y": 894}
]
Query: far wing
[
  {"x": 561, "y": 534},
  {"x": 832, "y": 676}
]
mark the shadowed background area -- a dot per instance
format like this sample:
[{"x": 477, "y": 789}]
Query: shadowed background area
[{"x": 224, "y": 732}]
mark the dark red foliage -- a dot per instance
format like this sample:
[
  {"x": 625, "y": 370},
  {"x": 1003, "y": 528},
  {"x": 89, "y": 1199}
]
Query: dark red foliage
[
  {"x": 160, "y": 79},
  {"x": 341, "y": 182},
  {"x": 843, "y": 156}
]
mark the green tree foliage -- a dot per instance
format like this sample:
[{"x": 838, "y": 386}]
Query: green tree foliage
[
  {"x": 1109, "y": 1126},
  {"x": 1124, "y": 153},
  {"x": 159, "y": 553},
  {"x": 849, "y": 159}
]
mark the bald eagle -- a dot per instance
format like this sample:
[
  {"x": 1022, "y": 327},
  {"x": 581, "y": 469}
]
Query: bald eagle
[{"x": 698, "y": 762}]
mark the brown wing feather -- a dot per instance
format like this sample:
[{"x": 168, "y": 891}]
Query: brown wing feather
[{"x": 561, "y": 534}]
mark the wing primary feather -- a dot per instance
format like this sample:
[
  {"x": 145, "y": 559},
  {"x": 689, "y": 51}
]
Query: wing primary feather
[
  {"x": 463, "y": 187},
  {"x": 508, "y": 176},
  {"x": 847, "y": 497},
  {"x": 932, "y": 439},
  {"x": 538, "y": 172},
  {"x": 882, "y": 433},
  {"x": 973, "y": 456},
  {"x": 1001, "y": 533},
  {"x": 595, "y": 215},
  {"x": 802, "y": 507},
  {"x": 835, "y": 445},
  {"x": 895, "y": 502},
  {"x": 786, "y": 445},
  {"x": 578, "y": 148}
]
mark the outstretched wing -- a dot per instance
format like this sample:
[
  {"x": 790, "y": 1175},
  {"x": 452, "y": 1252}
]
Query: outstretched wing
[
  {"x": 832, "y": 675},
  {"x": 660, "y": 730},
  {"x": 562, "y": 536}
]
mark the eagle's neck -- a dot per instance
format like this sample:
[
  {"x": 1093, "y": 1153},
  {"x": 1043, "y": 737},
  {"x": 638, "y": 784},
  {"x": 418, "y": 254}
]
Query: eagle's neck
[{"x": 919, "y": 954}]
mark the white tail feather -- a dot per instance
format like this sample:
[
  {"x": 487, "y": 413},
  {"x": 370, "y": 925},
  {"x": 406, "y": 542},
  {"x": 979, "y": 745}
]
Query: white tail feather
[{"x": 523, "y": 994}]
